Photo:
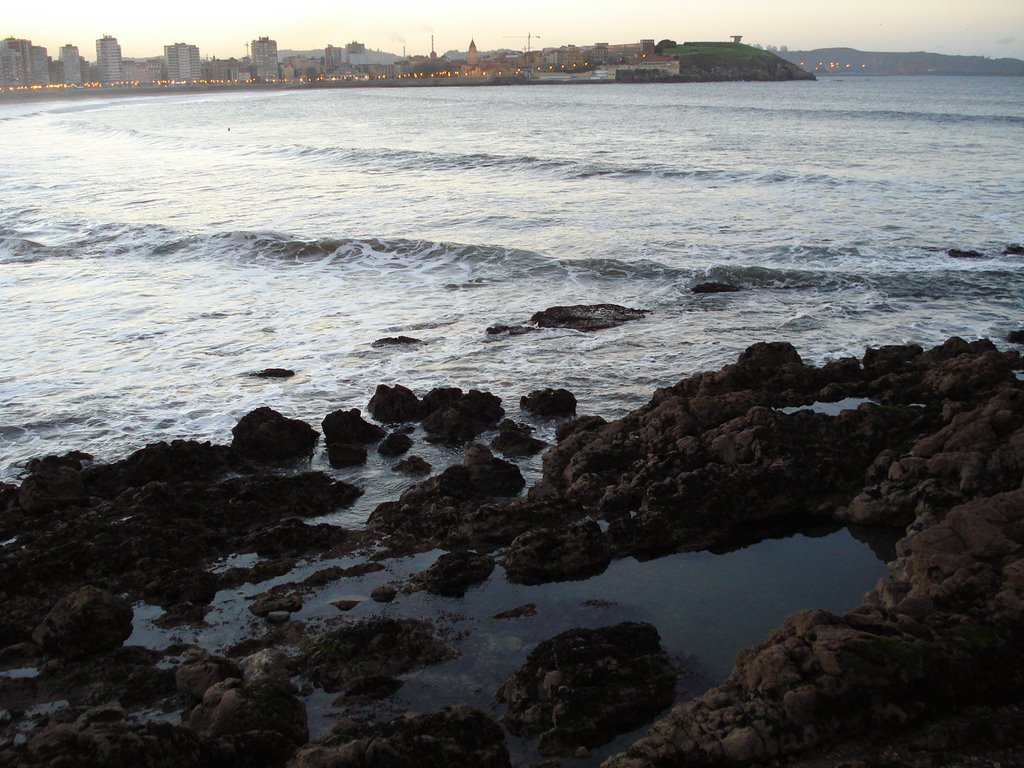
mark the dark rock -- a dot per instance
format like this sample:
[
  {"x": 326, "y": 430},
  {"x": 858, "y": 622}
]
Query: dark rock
[
  {"x": 176, "y": 462},
  {"x": 378, "y": 646},
  {"x": 583, "y": 686},
  {"x": 582, "y": 424},
  {"x": 511, "y": 330},
  {"x": 233, "y": 709},
  {"x": 394, "y": 404},
  {"x": 55, "y": 483},
  {"x": 85, "y": 743},
  {"x": 85, "y": 622},
  {"x": 266, "y": 435},
  {"x": 455, "y": 572},
  {"x": 489, "y": 475},
  {"x": 547, "y": 554},
  {"x": 1015, "y": 337},
  {"x": 395, "y": 444},
  {"x": 463, "y": 419},
  {"x": 346, "y": 604},
  {"x": 350, "y": 427},
  {"x": 586, "y": 317},
  {"x": 549, "y": 402},
  {"x": 274, "y": 373},
  {"x": 956, "y": 253},
  {"x": 413, "y": 465},
  {"x": 519, "y": 612},
  {"x": 396, "y": 341},
  {"x": 342, "y": 455},
  {"x": 456, "y": 737},
  {"x": 385, "y": 593},
  {"x": 714, "y": 287},
  {"x": 201, "y": 670},
  {"x": 516, "y": 440},
  {"x": 1014, "y": 250},
  {"x": 440, "y": 396}
]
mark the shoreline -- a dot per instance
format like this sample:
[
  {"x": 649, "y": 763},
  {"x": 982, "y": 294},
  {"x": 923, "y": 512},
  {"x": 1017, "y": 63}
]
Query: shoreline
[{"x": 929, "y": 442}]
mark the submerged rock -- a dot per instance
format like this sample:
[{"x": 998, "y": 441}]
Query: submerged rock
[
  {"x": 274, "y": 373},
  {"x": 396, "y": 341},
  {"x": 587, "y": 317},
  {"x": 584, "y": 686},
  {"x": 516, "y": 440},
  {"x": 379, "y": 646},
  {"x": 395, "y": 444}
]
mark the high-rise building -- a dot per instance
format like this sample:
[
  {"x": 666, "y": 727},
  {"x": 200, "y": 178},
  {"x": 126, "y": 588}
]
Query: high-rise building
[
  {"x": 108, "y": 60},
  {"x": 72, "y": 62},
  {"x": 15, "y": 61},
  {"x": 264, "y": 58},
  {"x": 40, "y": 65},
  {"x": 182, "y": 62}
]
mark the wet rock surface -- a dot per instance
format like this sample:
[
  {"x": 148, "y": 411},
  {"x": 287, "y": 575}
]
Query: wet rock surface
[
  {"x": 459, "y": 737},
  {"x": 581, "y": 687},
  {"x": 587, "y": 317},
  {"x": 927, "y": 671}
]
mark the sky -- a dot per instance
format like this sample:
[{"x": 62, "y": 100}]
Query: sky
[{"x": 993, "y": 28}]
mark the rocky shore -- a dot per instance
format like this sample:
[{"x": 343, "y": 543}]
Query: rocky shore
[{"x": 926, "y": 671}]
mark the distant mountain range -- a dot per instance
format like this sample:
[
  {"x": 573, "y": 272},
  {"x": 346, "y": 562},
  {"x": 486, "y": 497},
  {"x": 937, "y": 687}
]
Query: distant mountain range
[{"x": 848, "y": 61}]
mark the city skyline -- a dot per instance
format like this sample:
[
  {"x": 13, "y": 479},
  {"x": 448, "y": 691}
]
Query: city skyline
[{"x": 992, "y": 28}]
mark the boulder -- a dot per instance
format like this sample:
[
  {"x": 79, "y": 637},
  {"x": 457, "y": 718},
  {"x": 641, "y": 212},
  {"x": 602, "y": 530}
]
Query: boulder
[
  {"x": 1015, "y": 337},
  {"x": 395, "y": 444},
  {"x": 350, "y": 427},
  {"x": 516, "y": 440},
  {"x": 413, "y": 465},
  {"x": 54, "y": 482},
  {"x": 586, "y": 317},
  {"x": 201, "y": 670},
  {"x": 85, "y": 622},
  {"x": 456, "y": 737},
  {"x": 460, "y": 420},
  {"x": 584, "y": 686},
  {"x": 266, "y": 435},
  {"x": 489, "y": 475},
  {"x": 394, "y": 404},
  {"x": 578, "y": 551},
  {"x": 455, "y": 572},
  {"x": 265, "y": 723},
  {"x": 549, "y": 402},
  {"x": 342, "y": 455}
]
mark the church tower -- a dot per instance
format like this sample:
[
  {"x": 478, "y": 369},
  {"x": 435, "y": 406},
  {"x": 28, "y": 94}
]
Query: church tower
[{"x": 471, "y": 57}]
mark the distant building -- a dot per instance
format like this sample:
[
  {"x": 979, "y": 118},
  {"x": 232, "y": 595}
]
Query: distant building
[
  {"x": 72, "y": 61},
  {"x": 183, "y": 62},
  {"x": 143, "y": 71},
  {"x": 264, "y": 58},
  {"x": 223, "y": 70},
  {"x": 472, "y": 57},
  {"x": 22, "y": 63},
  {"x": 356, "y": 54},
  {"x": 109, "y": 65}
]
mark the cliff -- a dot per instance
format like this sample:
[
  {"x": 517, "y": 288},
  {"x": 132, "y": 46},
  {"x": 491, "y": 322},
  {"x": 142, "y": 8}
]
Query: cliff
[
  {"x": 720, "y": 62},
  {"x": 845, "y": 61}
]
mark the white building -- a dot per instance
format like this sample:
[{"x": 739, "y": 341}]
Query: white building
[
  {"x": 182, "y": 62},
  {"x": 109, "y": 67}
]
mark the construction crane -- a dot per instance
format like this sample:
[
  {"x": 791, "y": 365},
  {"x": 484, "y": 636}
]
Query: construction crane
[{"x": 529, "y": 37}]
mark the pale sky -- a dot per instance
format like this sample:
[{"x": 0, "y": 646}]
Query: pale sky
[{"x": 993, "y": 28}]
